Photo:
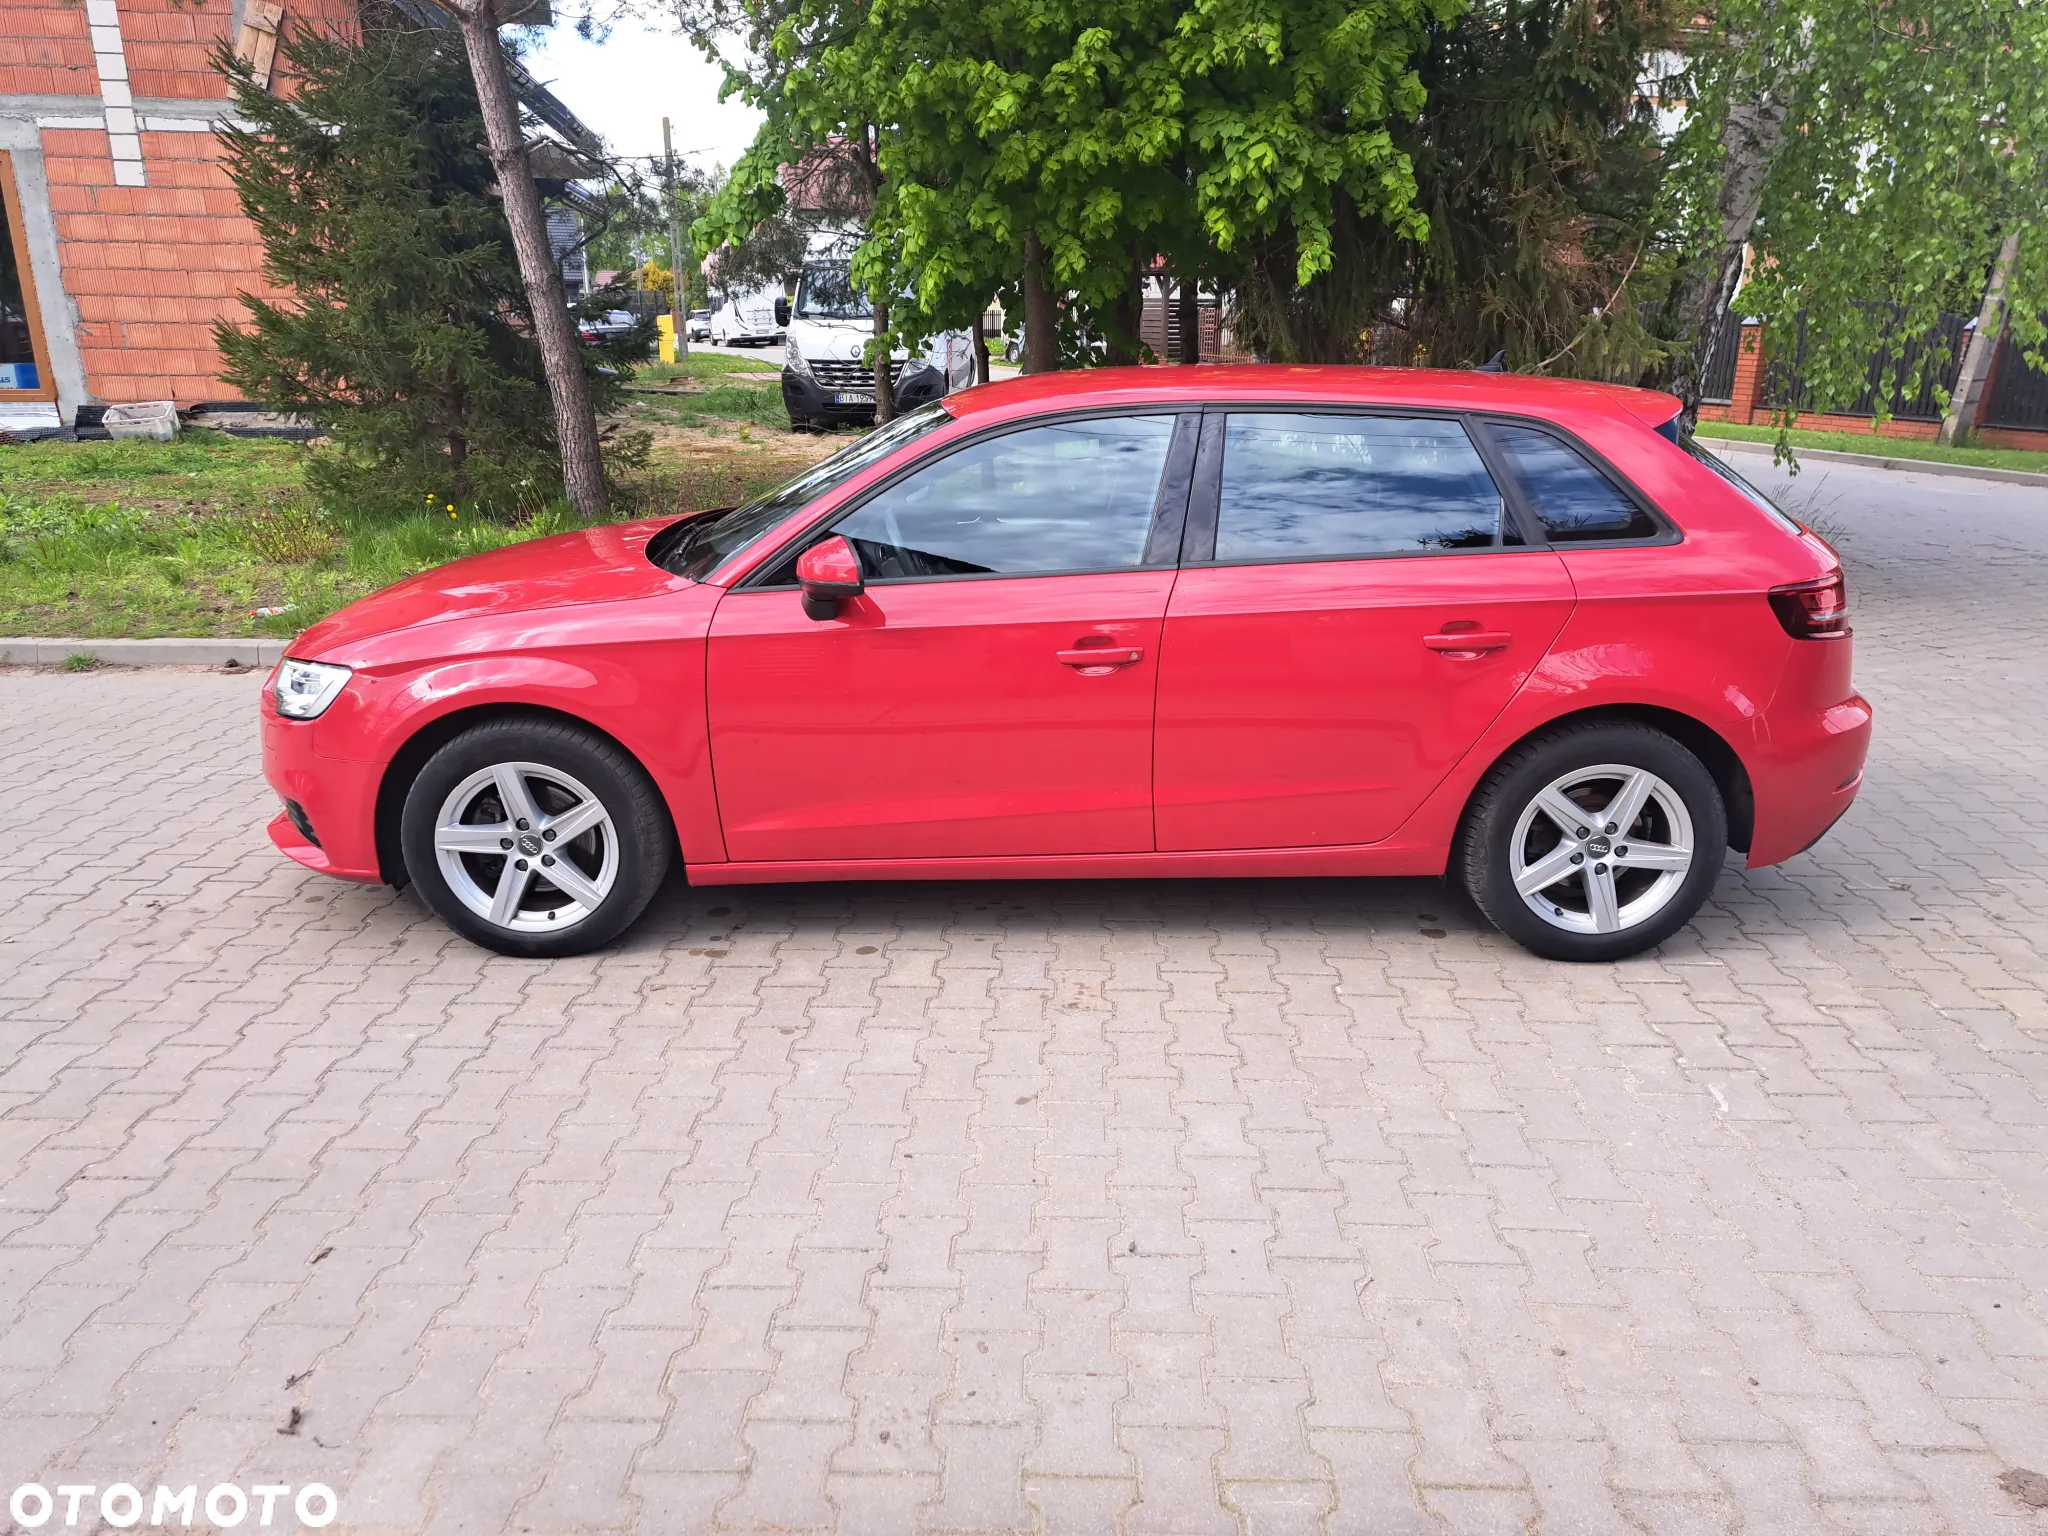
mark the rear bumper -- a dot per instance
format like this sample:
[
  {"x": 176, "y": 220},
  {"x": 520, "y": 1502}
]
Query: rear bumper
[
  {"x": 337, "y": 797},
  {"x": 1813, "y": 770}
]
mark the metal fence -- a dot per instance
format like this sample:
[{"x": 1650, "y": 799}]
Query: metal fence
[
  {"x": 2019, "y": 392},
  {"x": 1894, "y": 370},
  {"x": 1718, "y": 387}
]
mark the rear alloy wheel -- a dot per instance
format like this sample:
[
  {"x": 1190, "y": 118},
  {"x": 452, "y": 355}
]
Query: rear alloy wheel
[
  {"x": 1595, "y": 843},
  {"x": 534, "y": 837}
]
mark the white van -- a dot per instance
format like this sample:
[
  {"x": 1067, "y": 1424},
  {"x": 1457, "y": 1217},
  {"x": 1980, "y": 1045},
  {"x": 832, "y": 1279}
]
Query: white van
[
  {"x": 747, "y": 318},
  {"x": 827, "y": 326}
]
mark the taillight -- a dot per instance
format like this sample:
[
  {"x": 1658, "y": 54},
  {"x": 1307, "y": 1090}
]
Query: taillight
[{"x": 1813, "y": 610}]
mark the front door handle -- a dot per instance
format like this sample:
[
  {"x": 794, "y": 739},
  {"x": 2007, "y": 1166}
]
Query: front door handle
[
  {"x": 1468, "y": 642},
  {"x": 1101, "y": 656}
]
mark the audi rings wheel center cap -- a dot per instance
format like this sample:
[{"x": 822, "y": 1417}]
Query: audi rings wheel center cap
[
  {"x": 1597, "y": 847},
  {"x": 529, "y": 845}
]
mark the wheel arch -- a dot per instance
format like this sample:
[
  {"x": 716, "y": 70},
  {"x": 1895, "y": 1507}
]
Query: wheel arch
[
  {"x": 406, "y": 763},
  {"x": 1731, "y": 777}
]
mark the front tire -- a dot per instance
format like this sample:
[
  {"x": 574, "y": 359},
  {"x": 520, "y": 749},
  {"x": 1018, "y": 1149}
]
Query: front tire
[
  {"x": 1595, "y": 842},
  {"x": 535, "y": 837}
]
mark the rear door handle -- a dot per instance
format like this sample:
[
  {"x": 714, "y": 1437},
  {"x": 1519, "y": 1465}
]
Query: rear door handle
[
  {"x": 1101, "y": 656},
  {"x": 1468, "y": 642}
]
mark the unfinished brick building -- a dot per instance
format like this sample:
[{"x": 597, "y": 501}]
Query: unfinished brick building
[{"x": 123, "y": 242}]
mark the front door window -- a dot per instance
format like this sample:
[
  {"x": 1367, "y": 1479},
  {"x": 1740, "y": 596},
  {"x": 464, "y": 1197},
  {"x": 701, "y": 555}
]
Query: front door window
[{"x": 1071, "y": 496}]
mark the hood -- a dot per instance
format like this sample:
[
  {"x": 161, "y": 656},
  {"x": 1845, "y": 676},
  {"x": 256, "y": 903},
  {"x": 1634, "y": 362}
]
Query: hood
[{"x": 592, "y": 565}]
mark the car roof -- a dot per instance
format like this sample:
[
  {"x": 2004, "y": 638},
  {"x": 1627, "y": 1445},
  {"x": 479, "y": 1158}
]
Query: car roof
[{"x": 1325, "y": 384}]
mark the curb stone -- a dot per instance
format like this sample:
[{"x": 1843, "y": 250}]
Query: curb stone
[
  {"x": 1881, "y": 461},
  {"x": 33, "y": 652}
]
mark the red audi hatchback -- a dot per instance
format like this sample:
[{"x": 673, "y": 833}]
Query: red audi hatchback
[{"x": 1126, "y": 622}]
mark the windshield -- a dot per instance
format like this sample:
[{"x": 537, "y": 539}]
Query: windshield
[
  {"x": 827, "y": 293},
  {"x": 1720, "y": 467},
  {"x": 697, "y": 546}
]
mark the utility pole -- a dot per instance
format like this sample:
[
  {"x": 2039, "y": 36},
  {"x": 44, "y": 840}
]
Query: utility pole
[{"x": 678, "y": 295}]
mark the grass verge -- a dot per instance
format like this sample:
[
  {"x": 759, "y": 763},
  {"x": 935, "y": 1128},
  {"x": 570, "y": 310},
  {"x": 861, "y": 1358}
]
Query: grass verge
[
  {"x": 1882, "y": 447},
  {"x": 702, "y": 365},
  {"x": 200, "y": 535}
]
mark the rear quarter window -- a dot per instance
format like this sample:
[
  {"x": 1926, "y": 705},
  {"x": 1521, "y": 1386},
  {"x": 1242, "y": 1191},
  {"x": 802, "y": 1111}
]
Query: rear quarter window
[
  {"x": 1756, "y": 497},
  {"x": 1571, "y": 497}
]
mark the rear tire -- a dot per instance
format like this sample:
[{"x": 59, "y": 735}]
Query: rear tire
[
  {"x": 1537, "y": 857},
  {"x": 506, "y": 810}
]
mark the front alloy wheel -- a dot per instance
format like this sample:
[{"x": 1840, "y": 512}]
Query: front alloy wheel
[
  {"x": 1596, "y": 842},
  {"x": 526, "y": 847},
  {"x": 535, "y": 836}
]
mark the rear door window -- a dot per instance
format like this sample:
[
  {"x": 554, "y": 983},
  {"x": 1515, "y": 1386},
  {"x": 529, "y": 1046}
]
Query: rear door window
[
  {"x": 1330, "y": 487},
  {"x": 1571, "y": 498}
]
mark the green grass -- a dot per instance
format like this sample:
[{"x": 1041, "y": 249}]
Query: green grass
[
  {"x": 718, "y": 404},
  {"x": 1884, "y": 447},
  {"x": 715, "y": 408},
  {"x": 198, "y": 470},
  {"x": 186, "y": 538},
  {"x": 703, "y": 364}
]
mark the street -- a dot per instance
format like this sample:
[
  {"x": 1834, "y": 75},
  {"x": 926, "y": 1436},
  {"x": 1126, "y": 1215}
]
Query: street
[{"x": 1280, "y": 1206}]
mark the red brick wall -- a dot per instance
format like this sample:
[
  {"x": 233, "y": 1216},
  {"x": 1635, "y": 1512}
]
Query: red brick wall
[
  {"x": 169, "y": 45},
  {"x": 151, "y": 268},
  {"x": 1749, "y": 381},
  {"x": 44, "y": 49}
]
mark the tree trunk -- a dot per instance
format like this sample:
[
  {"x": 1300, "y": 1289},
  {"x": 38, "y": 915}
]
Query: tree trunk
[
  {"x": 885, "y": 384},
  {"x": 1126, "y": 320},
  {"x": 575, "y": 419},
  {"x": 979, "y": 341},
  {"x": 1041, "y": 346},
  {"x": 1750, "y": 141},
  {"x": 1962, "y": 405},
  {"x": 1189, "y": 305}
]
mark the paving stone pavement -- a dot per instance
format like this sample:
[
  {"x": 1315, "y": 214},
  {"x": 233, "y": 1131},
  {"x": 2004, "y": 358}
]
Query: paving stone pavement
[{"x": 1278, "y": 1206}]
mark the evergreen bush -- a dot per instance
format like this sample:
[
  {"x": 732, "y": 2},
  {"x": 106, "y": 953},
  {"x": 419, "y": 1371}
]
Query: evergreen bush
[{"x": 403, "y": 329}]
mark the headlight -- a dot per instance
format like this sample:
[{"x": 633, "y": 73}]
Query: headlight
[
  {"x": 793, "y": 358},
  {"x": 304, "y": 689}
]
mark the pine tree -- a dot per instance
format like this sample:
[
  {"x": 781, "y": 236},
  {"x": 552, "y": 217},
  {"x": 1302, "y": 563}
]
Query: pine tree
[{"x": 405, "y": 334}]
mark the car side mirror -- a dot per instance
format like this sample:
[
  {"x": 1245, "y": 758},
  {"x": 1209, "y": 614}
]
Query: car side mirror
[
  {"x": 829, "y": 572},
  {"x": 782, "y": 311}
]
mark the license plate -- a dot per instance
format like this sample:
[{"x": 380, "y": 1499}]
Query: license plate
[{"x": 854, "y": 397}]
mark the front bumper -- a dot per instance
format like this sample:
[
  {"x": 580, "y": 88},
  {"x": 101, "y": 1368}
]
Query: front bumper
[
  {"x": 338, "y": 799},
  {"x": 807, "y": 400}
]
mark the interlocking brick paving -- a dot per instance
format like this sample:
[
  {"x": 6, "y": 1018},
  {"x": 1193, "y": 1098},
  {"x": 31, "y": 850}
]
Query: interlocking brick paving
[{"x": 1264, "y": 1206}]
